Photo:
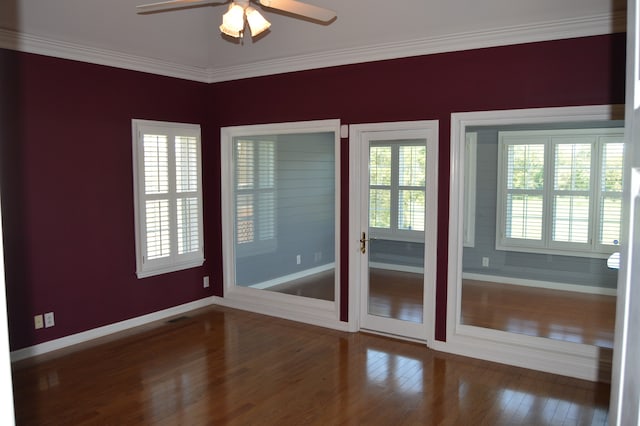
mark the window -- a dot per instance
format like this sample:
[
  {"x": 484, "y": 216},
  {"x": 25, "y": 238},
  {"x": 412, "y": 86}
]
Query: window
[
  {"x": 559, "y": 191},
  {"x": 168, "y": 197},
  {"x": 255, "y": 200},
  {"x": 397, "y": 189}
]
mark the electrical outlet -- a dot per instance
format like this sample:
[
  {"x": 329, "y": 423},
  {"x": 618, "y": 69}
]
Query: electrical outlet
[
  {"x": 298, "y": 259},
  {"x": 37, "y": 322},
  {"x": 485, "y": 262},
  {"x": 48, "y": 320},
  {"x": 205, "y": 282}
]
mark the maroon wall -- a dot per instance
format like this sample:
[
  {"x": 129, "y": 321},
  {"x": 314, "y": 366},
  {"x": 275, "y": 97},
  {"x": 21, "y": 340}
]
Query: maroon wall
[
  {"x": 67, "y": 193},
  {"x": 582, "y": 71},
  {"x": 65, "y": 153}
]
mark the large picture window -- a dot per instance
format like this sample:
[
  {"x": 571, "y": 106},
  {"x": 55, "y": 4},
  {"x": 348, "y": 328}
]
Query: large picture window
[
  {"x": 168, "y": 197},
  {"x": 559, "y": 191}
]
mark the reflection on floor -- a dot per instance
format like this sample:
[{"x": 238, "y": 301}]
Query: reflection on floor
[
  {"x": 220, "y": 366},
  {"x": 317, "y": 286},
  {"x": 561, "y": 315},
  {"x": 392, "y": 294},
  {"x": 396, "y": 295}
]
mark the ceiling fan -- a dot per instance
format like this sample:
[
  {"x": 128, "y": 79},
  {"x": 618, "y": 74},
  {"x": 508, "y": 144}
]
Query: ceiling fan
[{"x": 241, "y": 13}]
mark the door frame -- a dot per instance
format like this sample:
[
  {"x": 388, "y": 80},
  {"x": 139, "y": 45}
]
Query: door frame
[
  {"x": 356, "y": 225},
  {"x": 624, "y": 405}
]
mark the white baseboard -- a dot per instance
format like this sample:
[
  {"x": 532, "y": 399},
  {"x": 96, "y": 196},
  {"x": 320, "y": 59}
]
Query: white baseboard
[
  {"x": 95, "y": 333},
  {"x": 541, "y": 284},
  {"x": 311, "y": 311},
  {"x": 535, "y": 353},
  {"x": 296, "y": 276}
]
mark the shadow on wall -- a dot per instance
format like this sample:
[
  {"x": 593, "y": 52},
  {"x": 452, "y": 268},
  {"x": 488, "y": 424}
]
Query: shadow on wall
[{"x": 12, "y": 191}]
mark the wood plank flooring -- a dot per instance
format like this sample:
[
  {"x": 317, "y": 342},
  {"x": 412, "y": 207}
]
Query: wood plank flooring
[
  {"x": 555, "y": 314},
  {"x": 220, "y": 366},
  {"x": 394, "y": 294},
  {"x": 561, "y": 315}
]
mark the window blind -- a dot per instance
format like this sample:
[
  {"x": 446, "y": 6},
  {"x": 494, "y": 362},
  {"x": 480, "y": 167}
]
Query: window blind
[
  {"x": 168, "y": 196},
  {"x": 560, "y": 190},
  {"x": 572, "y": 192},
  {"x": 525, "y": 181},
  {"x": 254, "y": 166}
]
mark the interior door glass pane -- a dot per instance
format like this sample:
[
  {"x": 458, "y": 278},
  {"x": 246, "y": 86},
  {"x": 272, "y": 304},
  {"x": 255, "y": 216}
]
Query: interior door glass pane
[
  {"x": 284, "y": 192},
  {"x": 396, "y": 229},
  {"x": 411, "y": 210},
  {"x": 380, "y": 208},
  {"x": 380, "y": 165},
  {"x": 411, "y": 163}
]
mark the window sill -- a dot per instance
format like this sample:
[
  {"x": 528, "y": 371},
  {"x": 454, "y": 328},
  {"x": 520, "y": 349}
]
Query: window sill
[
  {"x": 555, "y": 252},
  {"x": 169, "y": 268}
]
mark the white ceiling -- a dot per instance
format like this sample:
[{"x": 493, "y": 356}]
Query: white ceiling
[{"x": 187, "y": 43}]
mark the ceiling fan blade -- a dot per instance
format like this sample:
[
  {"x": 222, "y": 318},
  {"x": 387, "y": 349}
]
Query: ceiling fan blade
[
  {"x": 174, "y": 4},
  {"x": 302, "y": 9}
]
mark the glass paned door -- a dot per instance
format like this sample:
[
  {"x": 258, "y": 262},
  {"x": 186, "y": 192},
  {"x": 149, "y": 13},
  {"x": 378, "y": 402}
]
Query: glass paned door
[{"x": 397, "y": 218}]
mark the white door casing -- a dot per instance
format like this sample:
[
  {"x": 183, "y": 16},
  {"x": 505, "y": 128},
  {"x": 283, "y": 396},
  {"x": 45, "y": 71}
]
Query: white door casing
[
  {"x": 360, "y": 136},
  {"x": 625, "y": 381}
]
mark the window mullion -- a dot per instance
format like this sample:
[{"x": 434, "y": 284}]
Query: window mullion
[{"x": 173, "y": 197}]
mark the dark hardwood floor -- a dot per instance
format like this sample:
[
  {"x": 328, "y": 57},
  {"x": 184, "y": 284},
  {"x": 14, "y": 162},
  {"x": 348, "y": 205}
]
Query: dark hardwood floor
[
  {"x": 221, "y": 366},
  {"x": 555, "y": 314},
  {"x": 317, "y": 286},
  {"x": 561, "y": 315},
  {"x": 395, "y": 294}
]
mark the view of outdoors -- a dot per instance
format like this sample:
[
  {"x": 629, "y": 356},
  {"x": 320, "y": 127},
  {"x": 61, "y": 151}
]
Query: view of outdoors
[
  {"x": 576, "y": 180},
  {"x": 397, "y": 185}
]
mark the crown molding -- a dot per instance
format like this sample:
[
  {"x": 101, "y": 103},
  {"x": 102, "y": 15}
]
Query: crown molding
[
  {"x": 546, "y": 31},
  {"x": 556, "y": 30},
  {"x": 74, "y": 51}
]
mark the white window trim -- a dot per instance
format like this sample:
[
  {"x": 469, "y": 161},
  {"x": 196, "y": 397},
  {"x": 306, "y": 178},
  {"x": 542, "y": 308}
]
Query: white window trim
[
  {"x": 546, "y": 245},
  {"x": 173, "y": 262}
]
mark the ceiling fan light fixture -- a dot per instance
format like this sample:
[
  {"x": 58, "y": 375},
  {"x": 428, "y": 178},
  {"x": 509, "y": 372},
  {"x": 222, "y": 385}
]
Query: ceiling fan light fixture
[
  {"x": 233, "y": 21},
  {"x": 257, "y": 23}
]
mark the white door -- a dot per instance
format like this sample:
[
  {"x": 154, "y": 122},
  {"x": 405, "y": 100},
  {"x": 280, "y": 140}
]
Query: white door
[
  {"x": 625, "y": 389},
  {"x": 393, "y": 232}
]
